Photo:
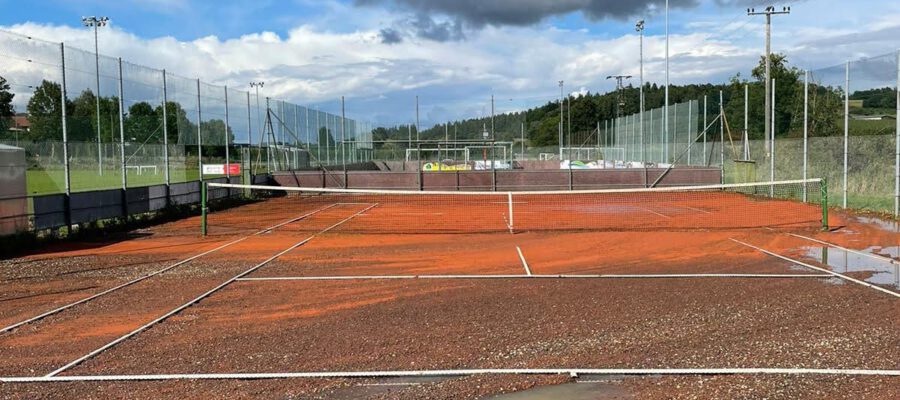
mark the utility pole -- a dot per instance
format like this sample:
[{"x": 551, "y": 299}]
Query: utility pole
[
  {"x": 769, "y": 12},
  {"x": 620, "y": 92},
  {"x": 96, "y": 22}
]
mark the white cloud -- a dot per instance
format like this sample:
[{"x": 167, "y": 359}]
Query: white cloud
[{"x": 312, "y": 64}]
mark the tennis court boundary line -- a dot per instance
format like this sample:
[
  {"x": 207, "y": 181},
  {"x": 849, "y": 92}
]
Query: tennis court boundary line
[
  {"x": 573, "y": 372},
  {"x": 542, "y": 276},
  {"x": 813, "y": 267},
  {"x": 199, "y": 298},
  {"x": 155, "y": 273}
]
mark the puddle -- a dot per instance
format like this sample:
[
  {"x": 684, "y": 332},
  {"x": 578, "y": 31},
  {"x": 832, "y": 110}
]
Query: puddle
[
  {"x": 890, "y": 226},
  {"x": 605, "y": 389},
  {"x": 881, "y": 272},
  {"x": 892, "y": 252}
]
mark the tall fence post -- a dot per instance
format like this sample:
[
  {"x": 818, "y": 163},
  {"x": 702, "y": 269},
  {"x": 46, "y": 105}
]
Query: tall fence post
[
  {"x": 199, "y": 135},
  {"x": 772, "y": 141},
  {"x": 722, "y": 133},
  {"x": 343, "y": 141},
  {"x": 704, "y": 128},
  {"x": 690, "y": 132},
  {"x": 897, "y": 146},
  {"x": 249, "y": 140},
  {"x": 846, "y": 130},
  {"x": 227, "y": 158},
  {"x": 165, "y": 128},
  {"x": 122, "y": 143},
  {"x": 67, "y": 210},
  {"x": 746, "y": 122},
  {"x": 805, "y": 131}
]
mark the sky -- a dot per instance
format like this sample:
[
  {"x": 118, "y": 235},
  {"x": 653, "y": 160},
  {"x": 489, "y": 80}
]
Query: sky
[{"x": 454, "y": 54}]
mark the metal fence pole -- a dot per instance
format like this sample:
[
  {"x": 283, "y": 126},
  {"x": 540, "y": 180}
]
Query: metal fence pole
[
  {"x": 704, "y": 128},
  {"x": 722, "y": 134},
  {"x": 805, "y": 131},
  {"x": 165, "y": 129},
  {"x": 249, "y": 140},
  {"x": 65, "y": 140},
  {"x": 846, "y": 129},
  {"x": 690, "y": 132},
  {"x": 122, "y": 143},
  {"x": 772, "y": 140},
  {"x": 227, "y": 158},
  {"x": 897, "y": 145},
  {"x": 343, "y": 139},
  {"x": 747, "y": 122},
  {"x": 199, "y": 135},
  {"x": 675, "y": 133}
]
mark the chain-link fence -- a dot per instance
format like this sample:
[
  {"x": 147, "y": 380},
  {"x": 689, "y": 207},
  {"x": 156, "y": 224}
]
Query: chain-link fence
[{"x": 90, "y": 122}]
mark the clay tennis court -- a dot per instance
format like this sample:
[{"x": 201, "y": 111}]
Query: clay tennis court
[{"x": 317, "y": 294}]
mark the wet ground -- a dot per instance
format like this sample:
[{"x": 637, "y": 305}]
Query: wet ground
[{"x": 290, "y": 326}]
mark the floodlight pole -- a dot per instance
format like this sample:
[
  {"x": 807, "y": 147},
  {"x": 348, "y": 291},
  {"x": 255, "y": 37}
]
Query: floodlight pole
[
  {"x": 97, "y": 22},
  {"x": 768, "y": 12},
  {"x": 665, "y": 143},
  {"x": 640, "y": 28}
]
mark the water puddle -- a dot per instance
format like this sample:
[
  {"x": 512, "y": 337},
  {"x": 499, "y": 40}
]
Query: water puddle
[
  {"x": 584, "y": 390},
  {"x": 890, "y": 226},
  {"x": 880, "y": 272}
]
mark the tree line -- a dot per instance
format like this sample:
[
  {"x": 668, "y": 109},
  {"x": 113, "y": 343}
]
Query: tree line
[
  {"x": 542, "y": 123},
  {"x": 143, "y": 122}
]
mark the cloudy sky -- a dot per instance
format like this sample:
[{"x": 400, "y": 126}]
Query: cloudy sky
[{"x": 453, "y": 54}]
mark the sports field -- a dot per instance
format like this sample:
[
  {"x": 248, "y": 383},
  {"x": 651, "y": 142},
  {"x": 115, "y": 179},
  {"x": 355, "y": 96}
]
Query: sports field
[{"x": 731, "y": 292}]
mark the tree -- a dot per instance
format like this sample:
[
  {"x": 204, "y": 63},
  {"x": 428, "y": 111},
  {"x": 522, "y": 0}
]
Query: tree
[
  {"x": 6, "y": 107},
  {"x": 45, "y": 112},
  {"x": 143, "y": 124}
]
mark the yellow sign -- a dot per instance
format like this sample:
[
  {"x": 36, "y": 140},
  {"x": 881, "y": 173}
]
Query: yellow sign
[{"x": 441, "y": 167}]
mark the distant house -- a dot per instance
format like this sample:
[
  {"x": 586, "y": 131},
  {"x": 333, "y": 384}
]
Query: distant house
[
  {"x": 20, "y": 123},
  {"x": 856, "y": 103}
]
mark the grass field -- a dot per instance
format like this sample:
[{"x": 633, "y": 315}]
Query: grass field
[{"x": 50, "y": 182}]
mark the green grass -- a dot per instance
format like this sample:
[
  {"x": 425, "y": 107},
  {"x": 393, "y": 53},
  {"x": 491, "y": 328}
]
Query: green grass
[{"x": 42, "y": 182}]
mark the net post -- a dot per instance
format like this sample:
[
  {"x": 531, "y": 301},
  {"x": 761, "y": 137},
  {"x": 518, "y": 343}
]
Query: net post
[
  {"x": 511, "y": 219},
  {"x": 203, "y": 208},
  {"x": 824, "y": 188}
]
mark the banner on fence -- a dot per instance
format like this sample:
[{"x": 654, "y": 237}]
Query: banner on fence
[{"x": 220, "y": 169}]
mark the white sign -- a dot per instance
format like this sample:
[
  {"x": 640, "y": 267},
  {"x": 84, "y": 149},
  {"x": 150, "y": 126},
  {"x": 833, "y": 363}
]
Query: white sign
[{"x": 219, "y": 169}]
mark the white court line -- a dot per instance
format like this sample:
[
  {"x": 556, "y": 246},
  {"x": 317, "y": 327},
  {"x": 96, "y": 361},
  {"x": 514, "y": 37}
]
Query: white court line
[
  {"x": 661, "y": 215},
  {"x": 827, "y": 271},
  {"x": 608, "y": 276},
  {"x": 695, "y": 209},
  {"x": 870, "y": 255},
  {"x": 455, "y": 372},
  {"x": 199, "y": 298},
  {"x": 136, "y": 280},
  {"x": 524, "y": 263}
]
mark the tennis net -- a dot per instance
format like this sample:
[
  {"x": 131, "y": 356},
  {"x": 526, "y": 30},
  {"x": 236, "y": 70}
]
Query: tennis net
[{"x": 784, "y": 204}]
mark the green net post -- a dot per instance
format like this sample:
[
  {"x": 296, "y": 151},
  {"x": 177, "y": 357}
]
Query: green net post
[
  {"x": 824, "y": 187},
  {"x": 203, "y": 208}
]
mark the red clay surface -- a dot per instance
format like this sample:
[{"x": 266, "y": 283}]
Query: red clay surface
[{"x": 291, "y": 326}]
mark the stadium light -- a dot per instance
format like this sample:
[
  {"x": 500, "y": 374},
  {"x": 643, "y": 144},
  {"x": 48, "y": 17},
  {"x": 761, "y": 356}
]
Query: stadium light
[{"x": 97, "y": 22}]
